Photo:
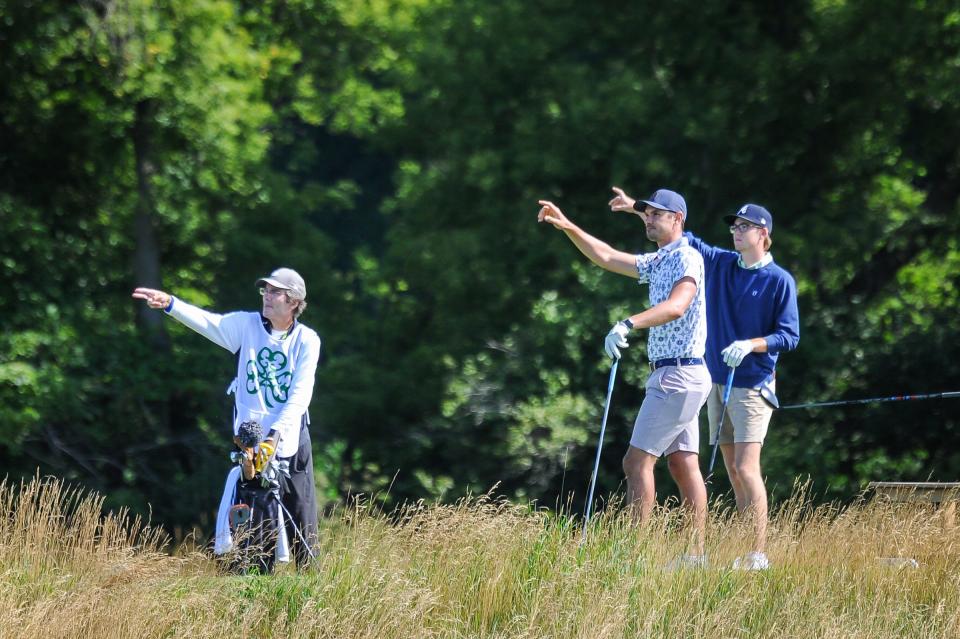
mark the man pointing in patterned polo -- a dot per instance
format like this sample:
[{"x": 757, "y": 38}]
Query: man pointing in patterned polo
[{"x": 679, "y": 383}]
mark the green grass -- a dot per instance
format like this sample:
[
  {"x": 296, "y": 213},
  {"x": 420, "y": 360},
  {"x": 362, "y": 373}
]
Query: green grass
[{"x": 481, "y": 568}]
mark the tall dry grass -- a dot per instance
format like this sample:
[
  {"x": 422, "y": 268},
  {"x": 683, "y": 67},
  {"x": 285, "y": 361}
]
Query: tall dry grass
[{"x": 482, "y": 568}]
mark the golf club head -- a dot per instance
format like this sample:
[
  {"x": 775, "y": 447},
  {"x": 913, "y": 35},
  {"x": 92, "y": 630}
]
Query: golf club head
[{"x": 713, "y": 458}]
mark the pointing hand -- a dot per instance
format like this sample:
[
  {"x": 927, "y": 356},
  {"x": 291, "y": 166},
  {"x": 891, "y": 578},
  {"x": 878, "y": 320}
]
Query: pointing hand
[
  {"x": 551, "y": 213},
  {"x": 153, "y": 297},
  {"x": 622, "y": 201}
]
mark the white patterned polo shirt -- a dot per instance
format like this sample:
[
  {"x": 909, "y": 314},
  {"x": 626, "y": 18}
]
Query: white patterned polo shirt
[{"x": 687, "y": 335}]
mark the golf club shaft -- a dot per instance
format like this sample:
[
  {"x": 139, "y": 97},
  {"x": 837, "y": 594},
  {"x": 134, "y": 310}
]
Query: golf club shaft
[
  {"x": 723, "y": 413},
  {"x": 873, "y": 400},
  {"x": 596, "y": 463},
  {"x": 296, "y": 529}
]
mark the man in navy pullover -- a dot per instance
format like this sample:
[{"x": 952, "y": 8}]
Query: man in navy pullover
[{"x": 751, "y": 317}]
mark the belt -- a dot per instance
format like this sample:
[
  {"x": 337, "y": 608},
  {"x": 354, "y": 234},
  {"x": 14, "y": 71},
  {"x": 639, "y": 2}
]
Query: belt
[{"x": 676, "y": 361}]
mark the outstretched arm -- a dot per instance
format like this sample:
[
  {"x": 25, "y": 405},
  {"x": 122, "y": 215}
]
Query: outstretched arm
[
  {"x": 223, "y": 330},
  {"x": 597, "y": 251}
]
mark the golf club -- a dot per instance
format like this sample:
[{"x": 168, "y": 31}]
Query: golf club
[
  {"x": 596, "y": 463},
  {"x": 895, "y": 398},
  {"x": 295, "y": 528},
  {"x": 723, "y": 413}
]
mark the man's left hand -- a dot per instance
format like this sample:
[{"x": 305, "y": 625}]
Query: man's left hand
[{"x": 733, "y": 355}]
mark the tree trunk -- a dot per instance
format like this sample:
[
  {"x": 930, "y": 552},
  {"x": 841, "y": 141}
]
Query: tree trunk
[{"x": 146, "y": 259}]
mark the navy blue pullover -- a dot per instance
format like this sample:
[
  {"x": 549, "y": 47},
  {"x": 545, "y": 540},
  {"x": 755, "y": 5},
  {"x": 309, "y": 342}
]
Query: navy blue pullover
[{"x": 743, "y": 304}]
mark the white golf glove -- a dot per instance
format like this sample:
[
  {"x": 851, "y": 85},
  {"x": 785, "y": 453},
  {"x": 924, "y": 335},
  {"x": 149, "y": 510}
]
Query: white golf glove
[
  {"x": 733, "y": 355},
  {"x": 616, "y": 339}
]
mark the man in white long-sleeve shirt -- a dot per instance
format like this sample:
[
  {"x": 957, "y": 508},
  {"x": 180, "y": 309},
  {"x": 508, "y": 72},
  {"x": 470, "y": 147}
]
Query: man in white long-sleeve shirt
[{"x": 276, "y": 364}]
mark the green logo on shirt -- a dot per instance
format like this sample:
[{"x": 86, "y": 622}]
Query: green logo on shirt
[{"x": 267, "y": 373}]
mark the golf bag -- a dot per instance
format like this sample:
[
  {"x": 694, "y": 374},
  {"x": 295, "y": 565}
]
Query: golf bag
[
  {"x": 255, "y": 525},
  {"x": 255, "y": 517}
]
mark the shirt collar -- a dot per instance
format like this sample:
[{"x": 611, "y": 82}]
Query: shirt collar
[
  {"x": 766, "y": 259},
  {"x": 672, "y": 246},
  {"x": 268, "y": 327}
]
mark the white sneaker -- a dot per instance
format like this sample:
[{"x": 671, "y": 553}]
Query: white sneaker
[
  {"x": 752, "y": 561},
  {"x": 899, "y": 562},
  {"x": 684, "y": 562}
]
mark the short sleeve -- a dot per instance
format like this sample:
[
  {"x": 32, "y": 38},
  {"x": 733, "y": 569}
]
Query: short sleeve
[
  {"x": 687, "y": 263},
  {"x": 645, "y": 264}
]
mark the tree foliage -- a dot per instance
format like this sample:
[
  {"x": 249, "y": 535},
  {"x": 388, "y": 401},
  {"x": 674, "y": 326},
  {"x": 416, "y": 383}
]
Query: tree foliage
[{"x": 393, "y": 152}]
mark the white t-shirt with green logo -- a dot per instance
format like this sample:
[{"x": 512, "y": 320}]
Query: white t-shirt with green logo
[{"x": 275, "y": 373}]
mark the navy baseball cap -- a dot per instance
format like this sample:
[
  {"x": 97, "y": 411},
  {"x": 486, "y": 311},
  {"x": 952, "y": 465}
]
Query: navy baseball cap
[
  {"x": 665, "y": 200},
  {"x": 753, "y": 213}
]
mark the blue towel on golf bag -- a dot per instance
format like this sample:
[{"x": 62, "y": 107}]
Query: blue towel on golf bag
[{"x": 223, "y": 539}]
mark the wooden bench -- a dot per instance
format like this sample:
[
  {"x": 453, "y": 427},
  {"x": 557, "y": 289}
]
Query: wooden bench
[{"x": 940, "y": 493}]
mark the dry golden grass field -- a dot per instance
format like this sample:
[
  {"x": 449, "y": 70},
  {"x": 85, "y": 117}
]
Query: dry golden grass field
[{"x": 481, "y": 568}]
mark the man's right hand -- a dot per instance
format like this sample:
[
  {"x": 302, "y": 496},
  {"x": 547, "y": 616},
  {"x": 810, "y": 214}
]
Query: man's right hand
[
  {"x": 733, "y": 355},
  {"x": 622, "y": 201},
  {"x": 153, "y": 297},
  {"x": 615, "y": 340},
  {"x": 551, "y": 213}
]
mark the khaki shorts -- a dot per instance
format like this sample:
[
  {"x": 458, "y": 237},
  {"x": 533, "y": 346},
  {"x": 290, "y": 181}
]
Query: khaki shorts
[
  {"x": 748, "y": 415},
  {"x": 669, "y": 416}
]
